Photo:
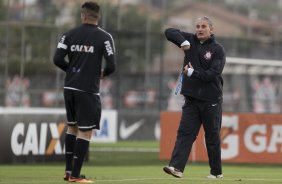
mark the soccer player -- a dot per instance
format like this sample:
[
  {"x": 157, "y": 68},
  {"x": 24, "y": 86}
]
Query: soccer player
[
  {"x": 85, "y": 47},
  {"x": 202, "y": 88}
]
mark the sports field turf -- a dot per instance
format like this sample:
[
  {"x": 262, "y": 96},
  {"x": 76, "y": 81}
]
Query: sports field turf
[{"x": 128, "y": 166}]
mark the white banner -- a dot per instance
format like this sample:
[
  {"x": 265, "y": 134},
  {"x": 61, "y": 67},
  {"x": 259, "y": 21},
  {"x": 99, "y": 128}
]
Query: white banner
[{"x": 108, "y": 128}]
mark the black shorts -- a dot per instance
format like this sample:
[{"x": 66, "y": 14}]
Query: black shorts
[{"x": 83, "y": 109}]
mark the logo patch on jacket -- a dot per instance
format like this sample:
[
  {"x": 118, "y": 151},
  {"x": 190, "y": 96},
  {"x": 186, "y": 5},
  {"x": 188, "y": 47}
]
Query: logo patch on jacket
[
  {"x": 82, "y": 48},
  {"x": 208, "y": 55}
]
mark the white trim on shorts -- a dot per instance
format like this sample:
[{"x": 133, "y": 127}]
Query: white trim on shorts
[
  {"x": 75, "y": 89},
  {"x": 87, "y": 127},
  {"x": 71, "y": 123},
  {"x": 82, "y": 139},
  {"x": 70, "y": 134}
]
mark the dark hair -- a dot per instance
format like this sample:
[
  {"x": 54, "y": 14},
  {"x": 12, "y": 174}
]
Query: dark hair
[{"x": 90, "y": 9}]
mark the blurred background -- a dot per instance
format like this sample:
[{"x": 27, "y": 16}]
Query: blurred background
[
  {"x": 148, "y": 65},
  {"x": 143, "y": 85}
]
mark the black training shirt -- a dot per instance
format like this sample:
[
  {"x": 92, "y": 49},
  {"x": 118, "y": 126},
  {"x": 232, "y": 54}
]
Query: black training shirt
[
  {"x": 85, "y": 47},
  {"x": 208, "y": 60}
]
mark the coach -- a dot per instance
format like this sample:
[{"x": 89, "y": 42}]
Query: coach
[{"x": 202, "y": 88}]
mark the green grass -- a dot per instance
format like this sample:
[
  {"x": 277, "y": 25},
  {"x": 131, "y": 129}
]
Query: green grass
[
  {"x": 52, "y": 174},
  {"x": 126, "y": 158},
  {"x": 137, "y": 168}
]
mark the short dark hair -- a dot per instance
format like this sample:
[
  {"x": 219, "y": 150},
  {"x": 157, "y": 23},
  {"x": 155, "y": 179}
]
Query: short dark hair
[{"x": 90, "y": 9}]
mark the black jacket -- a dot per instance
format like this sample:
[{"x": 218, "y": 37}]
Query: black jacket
[
  {"x": 85, "y": 47},
  {"x": 207, "y": 59}
]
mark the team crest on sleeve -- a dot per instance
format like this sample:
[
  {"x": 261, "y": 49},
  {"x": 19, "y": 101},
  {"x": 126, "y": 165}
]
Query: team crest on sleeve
[{"x": 208, "y": 55}]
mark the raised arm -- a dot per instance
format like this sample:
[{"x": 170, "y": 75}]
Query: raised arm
[{"x": 178, "y": 38}]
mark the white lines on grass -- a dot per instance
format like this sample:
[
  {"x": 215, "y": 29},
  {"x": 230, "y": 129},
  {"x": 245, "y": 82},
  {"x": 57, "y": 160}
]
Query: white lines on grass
[
  {"x": 265, "y": 180},
  {"x": 134, "y": 179},
  {"x": 189, "y": 179}
]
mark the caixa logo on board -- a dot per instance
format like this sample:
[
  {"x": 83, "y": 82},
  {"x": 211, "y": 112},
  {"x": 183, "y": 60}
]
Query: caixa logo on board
[{"x": 37, "y": 138}]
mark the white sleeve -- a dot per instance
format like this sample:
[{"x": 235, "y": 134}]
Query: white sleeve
[
  {"x": 185, "y": 43},
  {"x": 190, "y": 72}
]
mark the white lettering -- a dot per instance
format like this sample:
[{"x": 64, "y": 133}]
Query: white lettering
[
  {"x": 254, "y": 142},
  {"x": 231, "y": 141},
  {"x": 43, "y": 136},
  {"x": 91, "y": 49},
  {"x": 17, "y": 146},
  {"x": 79, "y": 48},
  {"x": 276, "y": 138},
  {"x": 61, "y": 45},
  {"x": 25, "y": 144},
  {"x": 108, "y": 48},
  {"x": 62, "y": 39},
  {"x": 82, "y": 48},
  {"x": 31, "y": 140}
]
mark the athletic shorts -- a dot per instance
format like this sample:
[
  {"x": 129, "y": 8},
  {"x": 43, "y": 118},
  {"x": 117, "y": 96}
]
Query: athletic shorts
[{"x": 83, "y": 109}]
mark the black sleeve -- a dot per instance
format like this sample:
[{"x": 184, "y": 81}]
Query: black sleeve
[
  {"x": 61, "y": 52},
  {"x": 176, "y": 36},
  {"x": 109, "y": 55},
  {"x": 215, "y": 69}
]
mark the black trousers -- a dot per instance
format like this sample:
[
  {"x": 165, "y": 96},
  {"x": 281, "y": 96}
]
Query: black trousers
[{"x": 195, "y": 113}]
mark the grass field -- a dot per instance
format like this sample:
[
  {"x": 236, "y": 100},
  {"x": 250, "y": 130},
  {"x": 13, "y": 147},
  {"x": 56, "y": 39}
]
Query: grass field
[{"x": 125, "y": 163}]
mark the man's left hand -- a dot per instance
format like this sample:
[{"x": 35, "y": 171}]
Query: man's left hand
[
  {"x": 188, "y": 67},
  {"x": 185, "y": 69}
]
